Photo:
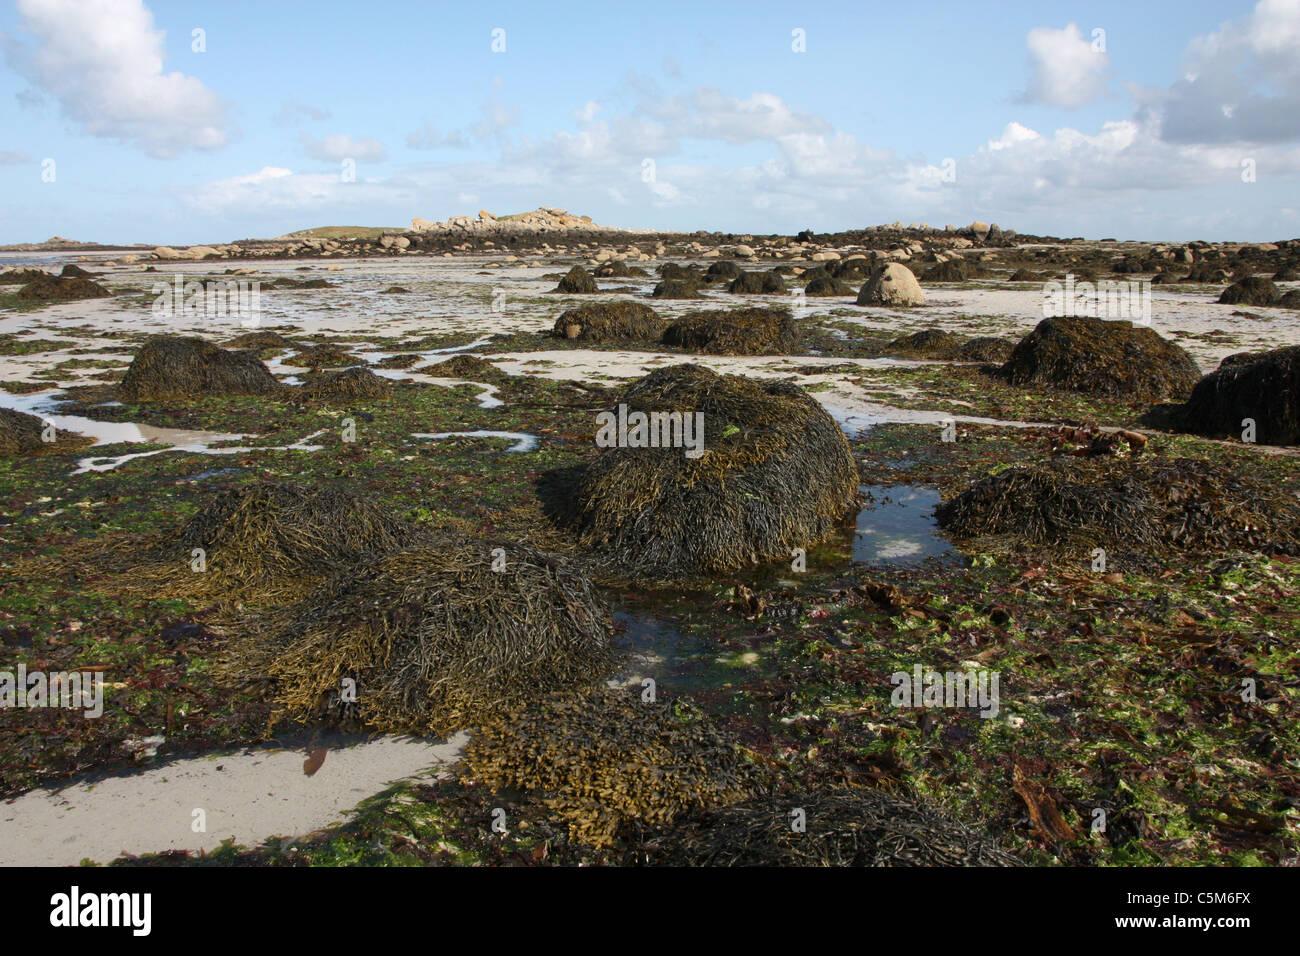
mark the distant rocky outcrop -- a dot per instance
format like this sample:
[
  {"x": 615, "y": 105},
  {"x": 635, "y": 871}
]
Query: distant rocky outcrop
[{"x": 542, "y": 219}]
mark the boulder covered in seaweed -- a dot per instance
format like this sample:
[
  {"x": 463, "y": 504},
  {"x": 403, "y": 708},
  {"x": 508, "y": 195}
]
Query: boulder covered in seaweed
[
  {"x": 177, "y": 366},
  {"x": 1252, "y": 290},
  {"x": 931, "y": 343},
  {"x": 985, "y": 348},
  {"x": 1113, "y": 359},
  {"x": 440, "y": 635},
  {"x": 824, "y": 285},
  {"x": 1261, "y": 387},
  {"x": 616, "y": 320},
  {"x": 764, "y": 469},
  {"x": 752, "y": 331},
  {"x": 50, "y": 288},
  {"x": 677, "y": 289},
  {"x": 577, "y": 281},
  {"x": 350, "y": 384},
  {"x": 757, "y": 283}
]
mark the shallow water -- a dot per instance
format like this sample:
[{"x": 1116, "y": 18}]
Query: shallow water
[
  {"x": 651, "y": 647},
  {"x": 898, "y": 526}
]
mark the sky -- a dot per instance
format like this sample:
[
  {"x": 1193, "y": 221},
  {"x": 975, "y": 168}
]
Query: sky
[{"x": 176, "y": 123}]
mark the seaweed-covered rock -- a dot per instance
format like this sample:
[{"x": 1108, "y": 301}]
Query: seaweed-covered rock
[
  {"x": 618, "y": 269},
  {"x": 577, "y": 281},
  {"x": 676, "y": 289},
  {"x": 932, "y": 343},
  {"x": 752, "y": 331},
  {"x": 1263, "y": 387},
  {"x": 1100, "y": 357},
  {"x": 324, "y": 355},
  {"x": 985, "y": 348},
  {"x": 263, "y": 339},
  {"x": 25, "y": 435},
  {"x": 350, "y": 384},
  {"x": 50, "y": 288},
  {"x": 174, "y": 366},
  {"x": 616, "y": 320},
  {"x": 1024, "y": 275},
  {"x": 772, "y": 471},
  {"x": 675, "y": 270},
  {"x": 1126, "y": 505},
  {"x": 825, "y": 285},
  {"x": 757, "y": 283},
  {"x": 953, "y": 270},
  {"x": 722, "y": 271},
  {"x": 1252, "y": 290},
  {"x": 892, "y": 284}
]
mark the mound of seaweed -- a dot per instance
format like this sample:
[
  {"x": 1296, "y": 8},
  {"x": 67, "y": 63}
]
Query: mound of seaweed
[
  {"x": 757, "y": 283},
  {"x": 1264, "y": 387},
  {"x": 577, "y": 281},
  {"x": 824, "y": 285},
  {"x": 610, "y": 321},
  {"x": 177, "y": 366},
  {"x": 1150, "y": 505},
  {"x": 269, "y": 540},
  {"x": 844, "y": 827},
  {"x": 1100, "y": 357},
  {"x": 50, "y": 288},
  {"x": 985, "y": 348},
  {"x": 1024, "y": 275},
  {"x": 1252, "y": 290},
  {"x": 855, "y": 267},
  {"x": 437, "y": 635},
  {"x": 751, "y": 331},
  {"x": 723, "y": 270},
  {"x": 775, "y": 474},
  {"x": 24, "y": 435},
  {"x": 677, "y": 289},
  {"x": 605, "y": 759},
  {"x": 23, "y": 276},
  {"x": 352, "y": 383},
  {"x": 933, "y": 343},
  {"x": 953, "y": 270},
  {"x": 469, "y": 367},
  {"x": 677, "y": 271},
  {"x": 324, "y": 355},
  {"x": 618, "y": 269}
]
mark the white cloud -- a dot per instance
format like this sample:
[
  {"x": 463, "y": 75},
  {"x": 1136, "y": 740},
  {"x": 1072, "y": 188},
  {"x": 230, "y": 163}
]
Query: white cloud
[
  {"x": 1241, "y": 84},
  {"x": 102, "y": 60},
  {"x": 1067, "y": 71},
  {"x": 336, "y": 147},
  {"x": 11, "y": 158}
]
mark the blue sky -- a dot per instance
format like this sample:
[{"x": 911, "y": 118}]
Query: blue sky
[{"x": 1018, "y": 113}]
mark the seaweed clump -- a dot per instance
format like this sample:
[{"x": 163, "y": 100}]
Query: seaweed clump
[
  {"x": 844, "y": 827},
  {"x": 1262, "y": 387},
  {"x": 605, "y": 759},
  {"x": 438, "y": 636},
  {"x": 610, "y": 321},
  {"x": 174, "y": 366},
  {"x": 1148, "y": 505},
  {"x": 1099, "y": 357},
  {"x": 775, "y": 473},
  {"x": 751, "y": 331}
]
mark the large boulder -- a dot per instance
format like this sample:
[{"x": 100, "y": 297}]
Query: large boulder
[
  {"x": 1100, "y": 357},
  {"x": 892, "y": 284}
]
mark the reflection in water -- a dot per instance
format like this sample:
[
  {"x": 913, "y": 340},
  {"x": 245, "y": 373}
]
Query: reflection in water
[{"x": 898, "y": 526}]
